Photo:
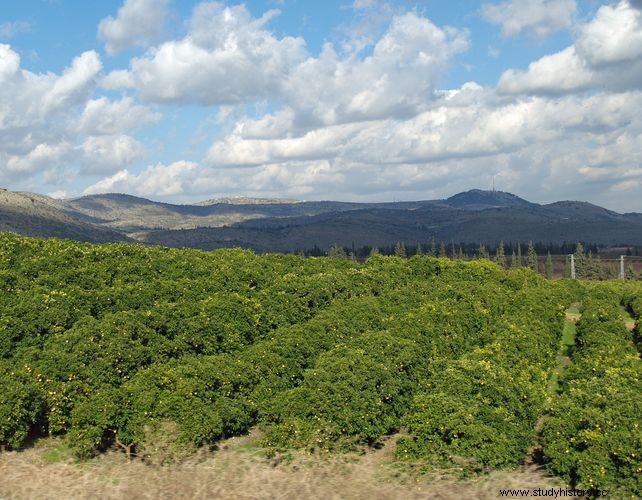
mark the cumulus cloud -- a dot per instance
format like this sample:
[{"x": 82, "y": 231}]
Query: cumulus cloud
[
  {"x": 469, "y": 122},
  {"x": 40, "y": 157},
  {"x": 157, "y": 180},
  {"x": 30, "y": 97},
  {"x": 34, "y": 109},
  {"x": 138, "y": 22},
  {"x": 607, "y": 54},
  {"x": 538, "y": 18},
  {"x": 117, "y": 80},
  {"x": 228, "y": 57},
  {"x": 398, "y": 79},
  {"x": 365, "y": 119},
  {"x": 613, "y": 37},
  {"x": 106, "y": 153},
  {"x": 49, "y": 124},
  {"x": 103, "y": 117}
]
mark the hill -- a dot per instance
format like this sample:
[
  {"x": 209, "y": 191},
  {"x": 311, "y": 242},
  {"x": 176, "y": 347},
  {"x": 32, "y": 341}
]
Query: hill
[
  {"x": 556, "y": 223},
  {"x": 31, "y": 215},
  {"x": 265, "y": 224},
  {"x": 476, "y": 199}
]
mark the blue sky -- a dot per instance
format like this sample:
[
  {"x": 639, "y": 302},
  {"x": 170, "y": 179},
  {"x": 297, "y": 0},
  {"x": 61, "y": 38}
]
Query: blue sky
[{"x": 353, "y": 100}]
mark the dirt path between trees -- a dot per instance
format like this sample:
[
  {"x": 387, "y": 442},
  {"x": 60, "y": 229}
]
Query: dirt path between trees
[{"x": 572, "y": 316}]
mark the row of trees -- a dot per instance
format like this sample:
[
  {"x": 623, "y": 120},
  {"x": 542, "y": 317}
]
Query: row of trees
[
  {"x": 452, "y": 249},
  {"x": 592, "y": 436},
  {"x": 158, "y": 351},
  {"x": 110, "y": 344},
  {"x": 587, "y": 265}
]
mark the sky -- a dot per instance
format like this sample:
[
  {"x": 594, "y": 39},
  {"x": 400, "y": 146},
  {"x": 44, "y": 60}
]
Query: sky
[{"x": 354, "y": 100}]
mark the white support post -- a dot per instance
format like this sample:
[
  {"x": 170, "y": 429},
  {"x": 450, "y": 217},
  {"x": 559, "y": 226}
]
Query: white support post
[
  {"x": 572, "y": 266},
  {"x": 621, "y": 267}
]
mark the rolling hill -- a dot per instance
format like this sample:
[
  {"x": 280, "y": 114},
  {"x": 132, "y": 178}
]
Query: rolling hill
[
  {"x": 474, "y": 216},
  {"x": 29, "y": 215}
]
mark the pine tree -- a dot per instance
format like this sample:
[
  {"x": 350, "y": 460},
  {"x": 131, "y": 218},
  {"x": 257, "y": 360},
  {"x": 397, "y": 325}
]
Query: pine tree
[
  {"x": 629, "y": 274},
  {"x": 549, "y": 266},
  {"x": 519, "y": 254},
  {"x": 442, "y": 250},
  {"x": 374, "y": 251},
  {"x": 400, "y": 250},
  {"x": 453, "y": 252},
  {"x": 483, "y": 253},
  {"x": 531, "y": 257},
  {"x": 419, "y": 250},
  {"x": 580, "y": 261},
  {"x": 433, "y": 248},
  {"x": 500, "y": 257},
  {"x": 461, "y": 253},
  {"x": 337, "y": 252},
  {"x": 513, "y": 260}
]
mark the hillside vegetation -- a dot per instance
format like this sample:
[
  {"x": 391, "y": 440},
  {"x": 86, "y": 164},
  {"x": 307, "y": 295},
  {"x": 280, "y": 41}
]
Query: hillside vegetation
[
  {"x": 159, "y": 352},
  {"x": 274, "y": 225}
]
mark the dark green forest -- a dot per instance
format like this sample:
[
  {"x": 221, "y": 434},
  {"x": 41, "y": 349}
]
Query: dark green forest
[{"x": 160, "y": 351}]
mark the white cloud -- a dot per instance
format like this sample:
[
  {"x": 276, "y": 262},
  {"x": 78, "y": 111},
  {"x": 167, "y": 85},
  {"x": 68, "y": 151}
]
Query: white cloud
[
  {"x": 42, "y": 156},
  {"x": 227, "y": 58},
  {"x": 538, "y": 18},
  {"x": 465, "y": 123},
  {"x": 158, "y": 180},
  {"x": 106, "y": 153},
  {"x": 117, "y": 80},
  {"x": 9, "y": 29},
  {"x": 73, "y": 86},
  {"x": 49, "y": 124},
  {"x": 138, "y": 22},
  {"x": 9, "y": 62},
  {"x": 103, "y": 117},
  {"x": 465, "y": 136},
  {"x": 614, "y": 36},
  {"x": 30, "y": 98},
  {"x": 625, "y": 185},
  {"x": 59, "y": 194},
  {"x": 557, "y": 73},
  {"x": 606, "y": 55},
  {"x": 397, "y": 80}
]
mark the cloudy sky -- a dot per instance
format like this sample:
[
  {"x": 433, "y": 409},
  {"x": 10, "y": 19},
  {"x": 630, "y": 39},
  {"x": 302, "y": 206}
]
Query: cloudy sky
[{"x": 180, "y": 100}]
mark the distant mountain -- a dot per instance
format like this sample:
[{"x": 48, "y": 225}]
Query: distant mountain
[
  {"x": 476, "y": 199},
  {"x": 38, "y": 215},
  {"x": 285, "y": 225},
  {"x": 243, "y": 200},
  {"x": 380, "y": 227},
  {"x": 132, "y": 215}
]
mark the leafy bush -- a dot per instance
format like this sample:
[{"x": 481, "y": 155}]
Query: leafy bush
[{"x": 593, "y": 436}]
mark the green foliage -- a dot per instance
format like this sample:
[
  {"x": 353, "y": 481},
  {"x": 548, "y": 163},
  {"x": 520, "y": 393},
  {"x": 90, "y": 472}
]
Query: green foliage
[
  {"x": 531, "y": 257},
  {"x": 21, "y": 405},
  {"x": 593, "y": 436},
  {"x": 159, "y": 351},
  {"x": 337, "y": 252},
  {"x": 400, "y": 250},
  {"x": 500, "y": 256}
]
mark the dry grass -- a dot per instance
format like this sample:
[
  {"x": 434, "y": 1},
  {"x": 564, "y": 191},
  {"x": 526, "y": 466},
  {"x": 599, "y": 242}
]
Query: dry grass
[{"x": 239, "y": 470}]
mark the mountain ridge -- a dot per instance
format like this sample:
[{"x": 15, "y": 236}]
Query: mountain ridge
[{"x": 265, "y": 224}]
